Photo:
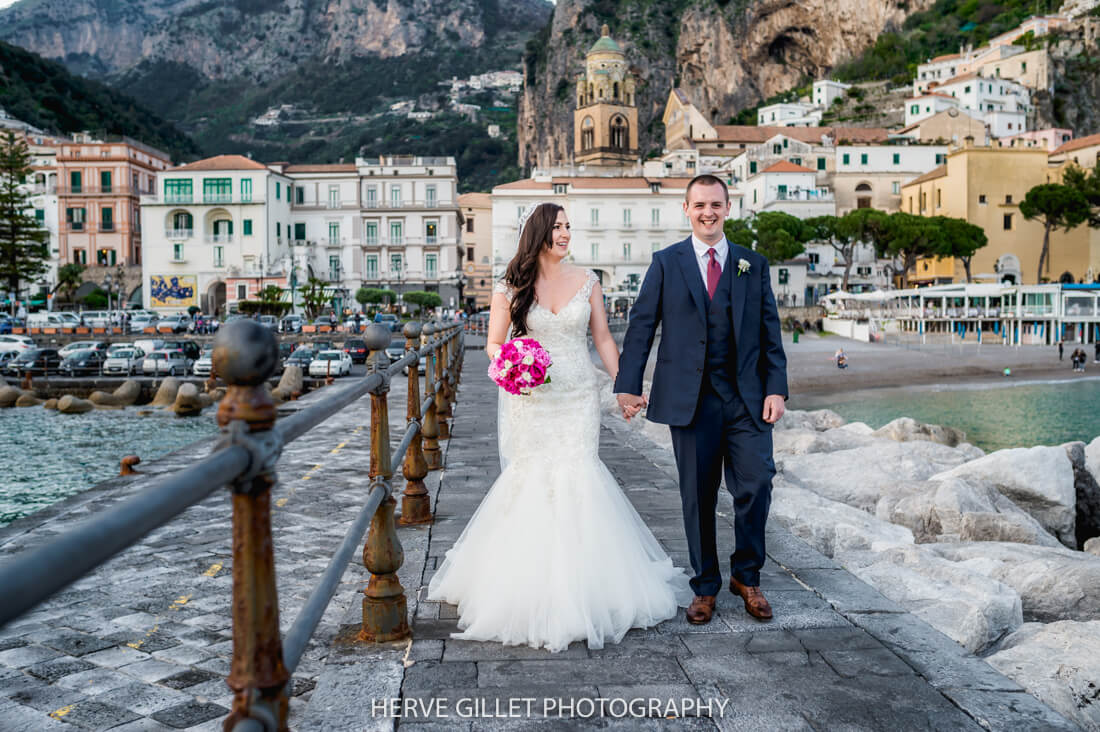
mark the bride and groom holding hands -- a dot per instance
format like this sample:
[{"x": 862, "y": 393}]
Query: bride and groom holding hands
[{"x": 556, "y": 552}]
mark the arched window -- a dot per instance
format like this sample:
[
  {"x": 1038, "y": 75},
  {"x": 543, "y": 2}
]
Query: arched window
[
  {"x": 863, "y": 197},
  {"x": 588, "y": 134},
  {"x": 620, "y": 134},
  {"x": 615, "y": 91}
]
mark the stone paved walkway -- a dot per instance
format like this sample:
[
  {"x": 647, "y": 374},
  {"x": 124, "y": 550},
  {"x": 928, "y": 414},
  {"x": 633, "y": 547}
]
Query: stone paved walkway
[
  {"x": 838, "y": 655},
  {"x": 144, "y": 643}
]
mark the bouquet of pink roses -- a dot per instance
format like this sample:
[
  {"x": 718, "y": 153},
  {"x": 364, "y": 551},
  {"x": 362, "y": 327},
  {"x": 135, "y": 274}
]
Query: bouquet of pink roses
[{"x": 520, "y": 365}]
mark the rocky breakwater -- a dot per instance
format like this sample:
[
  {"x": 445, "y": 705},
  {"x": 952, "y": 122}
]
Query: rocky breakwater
[{"x": 986, "y": 548}]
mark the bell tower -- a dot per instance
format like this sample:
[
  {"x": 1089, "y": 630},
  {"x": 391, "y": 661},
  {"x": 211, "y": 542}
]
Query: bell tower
[{"x": 605, "y": 122}]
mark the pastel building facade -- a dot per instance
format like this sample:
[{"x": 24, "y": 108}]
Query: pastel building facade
[
  {"x": 477, "y": 241},
  {"x": 871, "y": 176}
]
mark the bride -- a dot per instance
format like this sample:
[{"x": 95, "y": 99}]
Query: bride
[{"x": 555, "y": 552}]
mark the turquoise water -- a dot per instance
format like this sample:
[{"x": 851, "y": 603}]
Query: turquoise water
[
  {"x": 47, "y": 456},
  {"x": 992, "y": 415}
]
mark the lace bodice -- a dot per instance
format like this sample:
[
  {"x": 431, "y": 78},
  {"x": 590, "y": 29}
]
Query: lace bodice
[
  {"x": 566, "y": 330},
  {"x": 567, "y": 407}
]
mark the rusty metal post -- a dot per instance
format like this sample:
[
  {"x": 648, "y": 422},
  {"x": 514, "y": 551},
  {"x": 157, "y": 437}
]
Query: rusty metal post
[
  {"x": 452, "y": 381},
  {"x": 415, "y": 504},
  {"x": 432, "y": 454},
  {"x": 385, "y": 607},
  {"x": 245, "y": 355},
  {"x": 442, "y": 407}
]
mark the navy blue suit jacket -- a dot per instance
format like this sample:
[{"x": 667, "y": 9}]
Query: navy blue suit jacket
[{"x": 673, "y": 293}]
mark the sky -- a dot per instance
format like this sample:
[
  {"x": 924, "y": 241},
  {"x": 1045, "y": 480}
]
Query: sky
[{"x": 6, "y": 3}]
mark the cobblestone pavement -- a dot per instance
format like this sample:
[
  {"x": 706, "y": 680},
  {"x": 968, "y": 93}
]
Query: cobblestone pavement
[
  {"x": 144, "y": 642},
  {"x": 838, "y": 655}
]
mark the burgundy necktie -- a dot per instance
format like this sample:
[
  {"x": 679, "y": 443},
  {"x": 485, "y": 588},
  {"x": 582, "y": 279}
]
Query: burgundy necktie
[{"x": 714, "y": 273}]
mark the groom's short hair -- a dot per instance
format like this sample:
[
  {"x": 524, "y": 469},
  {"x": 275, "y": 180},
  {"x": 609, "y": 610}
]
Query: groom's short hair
[{"x": 706, "y": 179}]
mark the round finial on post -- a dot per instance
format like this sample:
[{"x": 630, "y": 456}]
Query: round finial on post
[
  {"x": 245, "y": 353},
  {"x": 377, "y": 337},
  {"x": 411, "y": 329},
  {"x": 126, "y": 465},
  {"x": 428, "y": 329}
]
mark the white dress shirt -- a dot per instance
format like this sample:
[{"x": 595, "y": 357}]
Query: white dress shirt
[{"x": 721, "y": 251}]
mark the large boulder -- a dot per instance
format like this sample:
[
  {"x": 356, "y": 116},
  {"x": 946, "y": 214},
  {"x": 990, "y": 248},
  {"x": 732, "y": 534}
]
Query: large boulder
[
  {"x": 820, "y": 420},
  {"x": 1054, "y": 583},
  {"x": 1092, "y": 546},
  {"x": 50, "y": 403},
  {"x": 69, "y": 404},
  {"x": 904, "y": 429},
  {"x": 1086, "y": 486},
  {"x": 829, "y": 526},
  {"x": 802, "y": 441},
  {"x": 860, "y": 476},
  {"x": 189, "y": 402},
  {"x": 965, "y": 605},
  {"x": 166, "y": 394},
  {"x": 1038, "y": 479},
  {"x": 291, "y": 384},
  {"x": 956, "y": 510},
  {"x": 9, "y": 395},
  {"x": 125, "y": 395},
  {"x": 27, "y": 399},
  {"x": 1059, "y": 663}
]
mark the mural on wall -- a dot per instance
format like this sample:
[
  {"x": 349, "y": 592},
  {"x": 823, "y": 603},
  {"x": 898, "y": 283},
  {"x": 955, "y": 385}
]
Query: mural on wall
[{"x": 175, "y": 291}]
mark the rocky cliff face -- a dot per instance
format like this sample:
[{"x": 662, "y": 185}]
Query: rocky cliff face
[
  {"x": 724, "y": 55},
  {"x": 254, "y": 39}
]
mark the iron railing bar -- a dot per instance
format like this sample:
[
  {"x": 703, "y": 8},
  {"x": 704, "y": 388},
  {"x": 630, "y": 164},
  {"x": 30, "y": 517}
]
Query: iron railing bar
[
  {"x": 297, "y": 638},
  {"x": 396, "y": 366},
  {"x": 35, "y": 575},
  {"x": 296, "y": 425},
  {"x": 399, "y": 455},
  {"x": 428, "y": 403}
]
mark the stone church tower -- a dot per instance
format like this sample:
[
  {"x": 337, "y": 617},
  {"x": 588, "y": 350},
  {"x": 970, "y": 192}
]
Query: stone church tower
[{"x": 605, "y": 123}]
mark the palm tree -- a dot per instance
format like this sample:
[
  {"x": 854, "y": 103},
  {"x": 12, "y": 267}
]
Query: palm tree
[{"x": 69, "y": 277}]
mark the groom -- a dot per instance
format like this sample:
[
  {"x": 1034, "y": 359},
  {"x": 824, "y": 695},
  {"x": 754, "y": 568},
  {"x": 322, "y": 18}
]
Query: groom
[{"x": 720, "y": 384}]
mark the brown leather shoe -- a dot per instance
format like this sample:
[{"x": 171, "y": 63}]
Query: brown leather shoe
[
  {"x": 756, "y": 604},
  {"x": 700, "y": 610}
]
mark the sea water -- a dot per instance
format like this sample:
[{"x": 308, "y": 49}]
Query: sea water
[
  {"x": 993, "y": 416},
  {"x": 46, "y": 456}
]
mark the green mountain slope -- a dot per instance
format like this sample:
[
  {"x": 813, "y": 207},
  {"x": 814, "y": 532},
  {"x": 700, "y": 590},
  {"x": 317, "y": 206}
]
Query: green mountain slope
[
  {"x": 941, "y": 29},
  {"x": 43, "y": 93}
]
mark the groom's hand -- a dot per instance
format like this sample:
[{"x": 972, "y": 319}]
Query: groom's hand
[
  {"x": 631, "y": 404},
  {"x": 774, "y": 408}
]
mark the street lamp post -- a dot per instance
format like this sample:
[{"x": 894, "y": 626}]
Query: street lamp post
[{"x": 108, "y": 283}]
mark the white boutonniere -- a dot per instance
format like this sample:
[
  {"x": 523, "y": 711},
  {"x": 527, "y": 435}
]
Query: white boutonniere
[{"x": 742, "y": 266}]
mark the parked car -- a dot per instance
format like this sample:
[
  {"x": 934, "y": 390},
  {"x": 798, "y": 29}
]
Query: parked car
[
  {"x": 205, "y": 364},
  {"x": 387, "y": 319},
  {"x": 125, "y": 360},
  {"x": 396, "y": 349},
  {"x": 269, "y": 321},
  {"x": 301, "y": 357},
  {"x": 16, "y": 343},
  {"x": 165, "y": 362},
  {"x": 95, "y": 318},
  {"x": 53, "y": 320},
  {"x": 285, "y": 349},
  {"x": 357, "y": 349},
  {"x": 322, "y": 345},
  {"x": 142, "y": 319},
  {"x": 5, "y": 357},
  {"x": 148, "y": 344},
  {"x": 291, "y": 324},
  {"x": 75, "y": 346},
  {"x": 82, "y": 363},
  {"x": 34, "y": 361},
  {"x": 178, "y": 323},
  {"x": 336, "y": 363},
  {"x": 7, "y": 323},
  {"x": 188, "y": 348}
]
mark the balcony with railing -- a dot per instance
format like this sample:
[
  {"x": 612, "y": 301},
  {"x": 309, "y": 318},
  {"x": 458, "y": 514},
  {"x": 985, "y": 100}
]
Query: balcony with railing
[
  {"x": 178, "y": 234},
  {"x": 219, "y": 238},
  {"x": 217, "y": 198},
  {"x": 109, "y": 190},
  {"x": 406, "y": 204},
  {"x": 107, "y": 226},
  {"x": 178, "y": 198}
]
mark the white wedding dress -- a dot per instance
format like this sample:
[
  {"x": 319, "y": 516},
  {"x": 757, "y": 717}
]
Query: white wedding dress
[{"x": 555, "y": 552}]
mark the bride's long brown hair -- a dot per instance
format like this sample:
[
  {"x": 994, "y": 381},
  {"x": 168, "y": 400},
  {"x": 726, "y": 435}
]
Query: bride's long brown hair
[{"x": 523, "y": 270}]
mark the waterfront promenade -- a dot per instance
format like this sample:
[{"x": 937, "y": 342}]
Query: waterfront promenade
[{"x": 144, "y": 642}]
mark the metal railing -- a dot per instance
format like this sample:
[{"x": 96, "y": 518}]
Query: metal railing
[{"x": 244, "y": 459}]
